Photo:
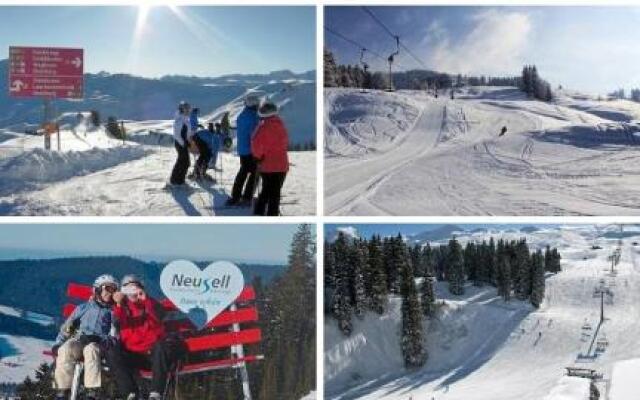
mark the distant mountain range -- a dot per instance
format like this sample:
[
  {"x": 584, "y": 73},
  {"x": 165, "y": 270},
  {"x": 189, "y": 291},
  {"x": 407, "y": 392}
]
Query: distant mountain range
[
  {"x": 131, "y": 97},
  {"x": 40, "y": 285},
  {"x": 440, "y": 233}
]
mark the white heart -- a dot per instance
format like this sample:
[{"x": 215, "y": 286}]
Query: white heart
[{"x": 201, "y": 294}]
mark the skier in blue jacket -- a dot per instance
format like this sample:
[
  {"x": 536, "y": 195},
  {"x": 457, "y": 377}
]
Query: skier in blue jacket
[
  {"x": 193, "y": 119},
  {"x": 246, "y": 125},
  {"x": 208, "y": 143}
]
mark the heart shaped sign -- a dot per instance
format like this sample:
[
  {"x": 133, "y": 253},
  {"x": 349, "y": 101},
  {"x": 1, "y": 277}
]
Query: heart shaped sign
[{"x": 201, "y": 294}]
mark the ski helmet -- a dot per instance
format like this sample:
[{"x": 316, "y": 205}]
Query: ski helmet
[
  {"x": 267, "y": 109},
  {"x": 103, "y": 280},
  {"x": 183, "y": 107},
  {"x": 131, "y": 278},
  {"x": 252, "y": 99}
]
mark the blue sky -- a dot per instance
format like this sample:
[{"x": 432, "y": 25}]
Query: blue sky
[
  {"x": 198, "y": 40},
  {"x": 592, "y": 49},
  {"x": 267, "y": 243}
]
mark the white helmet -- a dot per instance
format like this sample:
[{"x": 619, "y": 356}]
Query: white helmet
[
  {"x": 252, "y": 99},
  {"x": 103, "y": 280},
  {"x": 267, "y": 109},
  {"x": 131, "y": 278}
]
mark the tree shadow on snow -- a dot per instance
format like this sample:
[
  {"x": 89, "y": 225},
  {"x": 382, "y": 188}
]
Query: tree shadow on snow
[{"x": 601, "y": 136}]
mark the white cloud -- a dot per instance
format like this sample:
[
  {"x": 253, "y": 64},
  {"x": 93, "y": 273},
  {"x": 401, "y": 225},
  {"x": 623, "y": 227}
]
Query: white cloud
[
  {"x": 495, "y": 45},
  {"x": 349, "y": 231}
]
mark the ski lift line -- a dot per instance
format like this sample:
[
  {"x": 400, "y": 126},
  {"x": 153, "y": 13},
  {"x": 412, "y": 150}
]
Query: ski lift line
[
  {"x": 360, "y": 46},
  {"x": 353, "y": 42},
  {"x": 394, "y": 36}
]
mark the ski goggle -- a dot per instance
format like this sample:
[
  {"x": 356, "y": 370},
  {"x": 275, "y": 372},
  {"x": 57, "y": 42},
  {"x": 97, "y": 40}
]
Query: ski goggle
[{"x": 110, "y": 288}]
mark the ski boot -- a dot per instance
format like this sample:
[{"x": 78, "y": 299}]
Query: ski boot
[
  {"x": 155, "y": 396},
  {"x": 92, "y": 394},
  {"x": 61, "y": 395},
  {"x": 232, "y": 202}
]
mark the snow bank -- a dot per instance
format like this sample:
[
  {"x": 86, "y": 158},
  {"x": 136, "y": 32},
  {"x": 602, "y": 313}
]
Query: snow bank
[
  {"x": 570, "y": 388},
  {"x": 40, "y": 166},
  {"x": 310, "y": 396},
  {"x": 468, "y": 332},
  {"x": 357, "y": 122},
  {"x": 371, "y": 351},
  {"x": 624, "y": 380}
]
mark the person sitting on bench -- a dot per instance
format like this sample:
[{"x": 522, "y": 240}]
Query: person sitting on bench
[
  {"x": 83, "y": 336},
  {"x": 143, "y": 341}
]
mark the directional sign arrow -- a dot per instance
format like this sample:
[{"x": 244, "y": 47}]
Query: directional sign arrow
[
  {"x": 16, "y": 86},
  {"x": 77, "y": 62}
]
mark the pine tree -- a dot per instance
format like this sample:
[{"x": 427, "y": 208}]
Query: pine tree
[
  {"x": 470, "y": 261},
  {"x": 330, "y": 69},
  {"x": 523, "y": 288},
  {"x": 427, "y": 260},
  {"x": 359, "y": 265},
  {"x": 411, "y": 338},
  {"x": 341, "y": 295},
  {"x": 492, "y": 261},
  {"x": 504, "y": 277},
  {"x": 41, "y": 387},
  {"x": 455, "y": 268},
  {"x": 329, "y": 266},
  {"x": 379, "y": 280},
  {"x": 537, "y": 281},
  {"x": 290, "y": 339},
  {"x": 428, "y": 297}
]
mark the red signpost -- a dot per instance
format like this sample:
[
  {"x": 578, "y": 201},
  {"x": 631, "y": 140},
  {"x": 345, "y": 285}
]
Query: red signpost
[{"x": 47, "y": 73}]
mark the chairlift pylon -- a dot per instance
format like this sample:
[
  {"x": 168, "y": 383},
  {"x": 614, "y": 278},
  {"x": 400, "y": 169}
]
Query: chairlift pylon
[{"x": 390, "y": 60}]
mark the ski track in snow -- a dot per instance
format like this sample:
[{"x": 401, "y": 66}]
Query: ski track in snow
[
  {"x": 555, "y": 159},
  {"x": 517, "y": 353}
]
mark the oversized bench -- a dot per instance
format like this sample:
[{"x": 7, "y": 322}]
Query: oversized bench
[{"x": 232, "y": 329}]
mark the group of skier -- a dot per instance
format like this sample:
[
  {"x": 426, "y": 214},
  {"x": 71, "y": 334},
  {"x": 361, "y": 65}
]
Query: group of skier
[
  {"x": 124, "y": 325},
  {"x": 262, "y": 143}
]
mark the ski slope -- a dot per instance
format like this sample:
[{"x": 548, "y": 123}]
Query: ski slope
[
  {"x": 407, "y": 153},
  {"x": 95, "y": 174},
  {"x": 20, "y": 356},
  {"x": 482, "y": 348}
]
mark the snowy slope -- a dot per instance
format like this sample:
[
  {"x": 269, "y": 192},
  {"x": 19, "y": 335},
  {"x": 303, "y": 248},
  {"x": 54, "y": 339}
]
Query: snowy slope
[
  {"x": 21, "y": 355},
  {"x": 483, "y": 348},
  {"x": 96, "y": 174},
  {"x": 407, "y": 153}
]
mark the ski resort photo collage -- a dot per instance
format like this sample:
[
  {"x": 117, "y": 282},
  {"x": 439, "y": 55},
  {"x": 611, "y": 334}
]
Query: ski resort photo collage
[{"x": 311, "y": 199}]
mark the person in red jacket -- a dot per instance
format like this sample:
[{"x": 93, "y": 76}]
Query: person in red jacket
[
  {"x": 269, "y": 147},
  {"x": 143, "y": 341}
]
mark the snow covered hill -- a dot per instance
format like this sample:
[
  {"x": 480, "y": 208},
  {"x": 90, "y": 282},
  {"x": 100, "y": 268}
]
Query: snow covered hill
[
  {"x": 407, "y": 153},
  {"x": 96, "y": 174},
  {"x": 482, "y": 348}
]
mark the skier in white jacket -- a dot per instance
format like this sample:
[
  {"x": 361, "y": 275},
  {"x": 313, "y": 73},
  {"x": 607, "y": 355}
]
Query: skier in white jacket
[{"x": 182, "y": 136}]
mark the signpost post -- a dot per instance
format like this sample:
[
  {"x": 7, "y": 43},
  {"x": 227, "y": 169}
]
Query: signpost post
[{"x": 48, "y": 73}]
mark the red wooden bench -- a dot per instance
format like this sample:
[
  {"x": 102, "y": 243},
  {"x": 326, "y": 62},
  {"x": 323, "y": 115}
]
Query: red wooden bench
[{"x": 223, "y": 332}]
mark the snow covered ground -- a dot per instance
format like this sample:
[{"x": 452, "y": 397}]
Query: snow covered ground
[
  {"x": 20, "y": 356},
  {"x": 482, "y": 348},
  {"x": 407, "y": 153},
  {"x": 96, "y": 174}
]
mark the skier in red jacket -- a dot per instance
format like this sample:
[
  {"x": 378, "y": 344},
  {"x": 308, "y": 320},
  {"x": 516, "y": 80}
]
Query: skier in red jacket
[
  {"x": 269, "y": 147},
  {"x": 143, "y": 342}
]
